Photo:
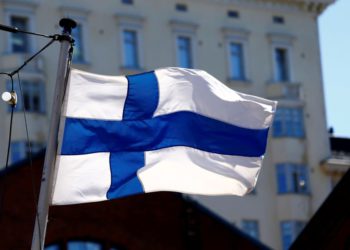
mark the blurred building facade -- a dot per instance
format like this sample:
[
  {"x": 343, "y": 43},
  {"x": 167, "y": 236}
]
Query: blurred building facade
[{"x": 261, "y": 47}]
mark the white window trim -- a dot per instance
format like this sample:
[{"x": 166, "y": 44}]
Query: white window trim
[
  {"x": 177, "y": 48},
  {"x": 134, "y": 23},
  {"x": 138, "y": 47},
  {"x": 184, "y": 29},
  {"x": 80, "y": 15},
  {"x": 20, "y": 11},
  {"x": 241, "y": 36},
  {"x": 283, "y": 41}
]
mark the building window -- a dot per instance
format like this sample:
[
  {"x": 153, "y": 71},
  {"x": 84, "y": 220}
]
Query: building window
[
  {"x": 288, "y": 122},
  {"x": 282, "y": 71},
  {"x": 236, "y": 61},
  {"x": 19, "y": 41},
  {"x": 20, "y": 150},
  {"x": 52, "y": 247},
  {"x": 184, "y": 52},
  {"x": 233, "y": 14},
  {"x": 292, "y": 178},
  {"x": 289, "y": 231},
  {"x": 278, "y": 19},
  {"x": 181, "y": 7},
  {"x": 33, "y": 96},
  {"x": 251, "y": 227},
  {"x": 128, "y": 2},
  {"x": 81, "y": 245},
  {"x": 78, "y": 52},
  {"x": 131, "y": 54}
]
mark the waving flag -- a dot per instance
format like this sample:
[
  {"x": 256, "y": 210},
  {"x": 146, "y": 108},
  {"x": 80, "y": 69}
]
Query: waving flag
[{"x": 171, "y": 129}]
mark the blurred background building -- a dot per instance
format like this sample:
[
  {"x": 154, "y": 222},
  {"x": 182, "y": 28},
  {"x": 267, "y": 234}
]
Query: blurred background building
[{"x": 268, "y": 48}]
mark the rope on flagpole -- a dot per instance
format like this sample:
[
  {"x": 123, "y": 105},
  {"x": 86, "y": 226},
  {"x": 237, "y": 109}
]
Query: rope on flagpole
[
  {"x": 3, "y": 187},
  {"x": 11, "y": 99},
  {"x": 29, "y": 154},
  {"x": 13, "y": 104}
]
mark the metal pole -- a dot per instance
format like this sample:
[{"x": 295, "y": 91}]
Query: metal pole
[{"x": 51, "y": 149}]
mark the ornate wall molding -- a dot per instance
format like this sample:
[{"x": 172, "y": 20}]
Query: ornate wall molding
[{"x": 311, "y": 6}]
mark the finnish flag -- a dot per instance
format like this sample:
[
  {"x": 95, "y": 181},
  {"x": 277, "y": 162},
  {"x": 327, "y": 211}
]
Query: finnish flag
[{"x": 172, "y": 129}]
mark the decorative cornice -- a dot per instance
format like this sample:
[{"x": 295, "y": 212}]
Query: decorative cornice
[
  {"x": 311, "y": 6},
  {"x": 237, "y": 33},
  {"x": 183, "y": 26},
  {"x": 72, "y": 10},
  {"x": 29, "y": 5},
  {"x": 281, "y": 38},
  {"x": 129, "y": 19}
]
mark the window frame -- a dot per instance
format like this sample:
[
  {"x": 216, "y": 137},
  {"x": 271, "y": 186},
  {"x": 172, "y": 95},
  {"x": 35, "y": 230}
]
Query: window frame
[
  {"x": 286, "y": 182},
  {"x": 289, "y": 127},
  {"x": 134, "y": 23},
  {"x": 80, "y": 16},
  {"x": 296, "y": 226},
  {"x": 243, "y": 74},
  {"x": 246, "y": 228},
  {"x": 21, "y": 12},
  {"x": 283, "y": 41},
  {"x": 83, "y": 59},
  {"x": 127, "y": 2},
  {"x": 184, "y": 29},
  {"x": 30, "y": 86},
  {"x": 241, "y": 37},
  {"x": 181, "y": 7},
  {"x": 189, "y": 53},
  {"x": 24, "y": 149},
  {"x": 136, "y": 48},
  {"x": 287, "y": 50}
]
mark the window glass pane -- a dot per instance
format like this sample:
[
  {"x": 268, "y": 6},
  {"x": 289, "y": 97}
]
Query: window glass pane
[
  {"x": 303, "y": 179},
  {"x": 281, "y": 61},
  {"x": 78, "y": 55},
  {"x": 289, "y": 231},
  {"x": 19, "y": 41},
  {"x": 278, "y": 19},
  {"x": 33, "y": 96},
  {"x": 35, "y": 147},
  {"x": 281, "y": 178},
  {"x": 299, "y": 226},
  {"x": 236, "y": 61},
  {"x": 292, "y": 178},
  {"x": 288, "y": 122},
  {"x": 233, "y": 14},
  {"x": 53, "y": 247},
  {"x": 181, "y": 7},
  {"x": 129, "y": 2},
  {"x": 82, "y": 245},
  {"x": 287, "y": 234},
  {"x": 251, "y": 227},
  {"x": 130, "y": 49},
  {"x": 17, "y": 151},
  {"x": 184, "y": 51}
]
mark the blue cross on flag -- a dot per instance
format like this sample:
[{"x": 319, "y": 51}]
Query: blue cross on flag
[{"x": 172, "y": 129}]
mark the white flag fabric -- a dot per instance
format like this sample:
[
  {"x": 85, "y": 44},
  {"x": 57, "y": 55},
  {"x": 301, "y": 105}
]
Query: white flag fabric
[{"x": 171, "y": 129}]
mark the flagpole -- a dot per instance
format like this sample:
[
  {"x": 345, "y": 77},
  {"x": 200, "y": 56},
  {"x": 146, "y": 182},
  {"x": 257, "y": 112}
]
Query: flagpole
[{"x": 38, "y": 239}]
